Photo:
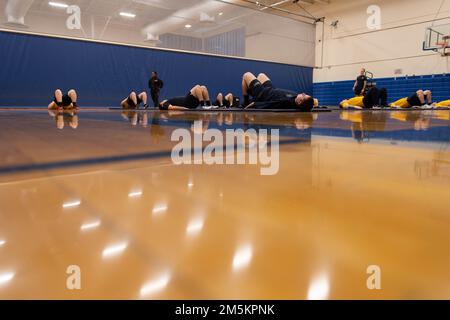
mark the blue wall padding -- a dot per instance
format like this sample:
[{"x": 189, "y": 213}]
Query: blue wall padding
[
  {"x": 104, "y": 74},
  {"x": 332, "y": 93}
]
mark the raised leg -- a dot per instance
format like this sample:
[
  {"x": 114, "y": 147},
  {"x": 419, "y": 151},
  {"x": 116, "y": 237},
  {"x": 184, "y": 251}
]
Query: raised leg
[
  {"x": 263, "y": 78},
  {"x": 421, "y": 96}
]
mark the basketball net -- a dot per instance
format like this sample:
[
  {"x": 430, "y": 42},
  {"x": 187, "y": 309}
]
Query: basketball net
[{"x": 442, "y": 48}]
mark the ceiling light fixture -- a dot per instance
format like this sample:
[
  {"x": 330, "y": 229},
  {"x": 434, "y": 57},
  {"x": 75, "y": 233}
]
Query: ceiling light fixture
[
  {"x": 58, "y": 4},
  {"x": 128, "y": 15}
]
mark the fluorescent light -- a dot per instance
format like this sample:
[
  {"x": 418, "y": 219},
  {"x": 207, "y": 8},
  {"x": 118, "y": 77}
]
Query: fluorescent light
[
  {"x": 135, "y": 194},
  {"x": 71, "y": 204},
  {"x": 6, "y": 277},
  {"x": 188, "y": 26},
  {"x": 220, "y": 13},
  {"x": 155, "y": 285},
  {"x": 114, "y": 250},
  {"x": 90, "y": 225},
  {"x": 58, "y": 4},
  {"x": 242, "y": 257},
  {"x": 128, "y": 15},
  {"x": 319, "y": 288}
]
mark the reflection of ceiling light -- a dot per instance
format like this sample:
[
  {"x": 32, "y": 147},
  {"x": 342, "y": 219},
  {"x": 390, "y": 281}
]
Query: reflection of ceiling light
[
  {"x": 135, "y": 194},
  {"x": 195, "y": 227},
  {"x": 159, "y": 209},
  {"x": 319, "y": 288},
  {"x": 114, "y": 250},
  {"x": 71, "y": 204},
  {"x": 220, "y": 13},
  {"x": 90, "y": 225},
  {"x": 155, "y": 285},
  {"x": 6, "y": 277},
  {"x": 188, "y": 26},
  {"x": 2, "y": 242},
  {"x": 58, "y": 4},
  {"x": 128, "y": 15},
  {"x": 242, "y": 257}
]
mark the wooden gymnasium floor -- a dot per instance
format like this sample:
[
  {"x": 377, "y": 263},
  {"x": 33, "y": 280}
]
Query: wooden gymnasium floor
[{"x": 354, "y": 189}]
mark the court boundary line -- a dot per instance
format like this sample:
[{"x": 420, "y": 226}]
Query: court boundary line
[{"x": 55, "y": 165}]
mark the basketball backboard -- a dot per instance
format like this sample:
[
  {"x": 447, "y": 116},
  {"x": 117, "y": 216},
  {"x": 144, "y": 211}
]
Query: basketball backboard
[{"x": 437, "y": 38}]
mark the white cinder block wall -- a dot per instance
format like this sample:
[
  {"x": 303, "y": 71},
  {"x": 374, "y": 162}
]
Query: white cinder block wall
[{"x": 397, "y": 45}]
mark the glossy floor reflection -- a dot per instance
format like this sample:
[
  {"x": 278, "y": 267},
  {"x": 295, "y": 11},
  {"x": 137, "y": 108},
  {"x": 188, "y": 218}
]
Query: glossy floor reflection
[{"x": 99, "y": 190}]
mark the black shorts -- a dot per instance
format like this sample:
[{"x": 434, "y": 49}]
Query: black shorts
[
  {"x": 375, "y": 97},
  {"x": 226, "y": 103},
  {"x": 414, "y": 101},
  {"x": 190, "y": 101},
  {"x": 66, "y": 100},
  {"x": 260, "y": 91},
  {"x": 131, "y": 102}
]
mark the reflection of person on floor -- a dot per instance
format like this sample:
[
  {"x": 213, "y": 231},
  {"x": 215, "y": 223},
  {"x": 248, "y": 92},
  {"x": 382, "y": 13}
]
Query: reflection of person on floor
[
  {"x": 441, "y": 115},
  {"x": 420, "y": 120},
  {"x": 305, "y": 122},
  {"x": 64, "y": 101},
  {"x": 365, "y": 123},
  {"x": 134, "y": 100},
  {"x": 62, "y": 118},
  {"x": 225, "y": 118},
  {"x": 265, "y": 96},
  {"x": 157, "y": 131},
  {"x": 197, "y": 96},
  {"x": 418, "y": 99},
  {"x": 135, "y": 118},
  {"x": 373, "y": 98}
]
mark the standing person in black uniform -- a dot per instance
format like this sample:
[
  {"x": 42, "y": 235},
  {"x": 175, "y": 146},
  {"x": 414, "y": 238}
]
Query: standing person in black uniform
[
  {"x": 361, "y": 83},
  {"x": 155, "y": 84}
]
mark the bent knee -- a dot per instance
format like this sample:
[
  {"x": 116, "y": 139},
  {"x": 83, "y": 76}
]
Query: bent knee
[{"x": 248, "y": 75}]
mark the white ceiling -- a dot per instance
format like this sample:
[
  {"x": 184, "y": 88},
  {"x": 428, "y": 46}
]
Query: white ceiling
[{"x": 157, "y": 17}]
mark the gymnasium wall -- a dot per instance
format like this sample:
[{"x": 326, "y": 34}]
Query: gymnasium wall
[
  {"x": 254, "y": 34},
  {"x": 332, "y": 93},
  {"x": 103, "y": 74},
  {"x": 393, "y": 52}
]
